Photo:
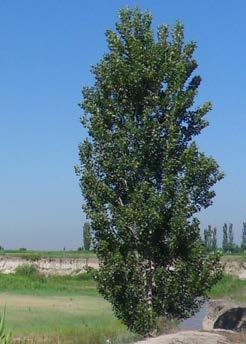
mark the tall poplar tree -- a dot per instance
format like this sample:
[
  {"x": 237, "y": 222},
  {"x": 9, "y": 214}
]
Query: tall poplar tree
[
  {"x": 230, "y": 238},
  {"x": 214, "y": 239},
  {"x": 208, "y": 238},
  {"x": 243, "y": 243},
  {"x": 225, "y": 242},
  {"x": 87, "y": 239},
  {"x": 142, "y": 175}
]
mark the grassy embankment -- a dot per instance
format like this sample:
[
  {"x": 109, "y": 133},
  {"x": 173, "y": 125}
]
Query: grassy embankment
[{"x": 231, "y": 288}]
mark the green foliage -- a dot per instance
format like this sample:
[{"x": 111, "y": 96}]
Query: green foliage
[
  {"x": 210, "y": 238},
  {"x": 31, "y": 272},
  {"x": 87, "y": 236},
  {"x": 225, "y": 238},
  {"x": 214, "y": 239},
  {"x": 22, "y": 249},
  {"x": 228, "y": 244},
  {"x": 26, "y": 270},
  {"x": 243, "y": 243},
  {"x": 230, "y": 237},
  {"x": 5, "y": 335},
  {"x": 143, "y": 177}
]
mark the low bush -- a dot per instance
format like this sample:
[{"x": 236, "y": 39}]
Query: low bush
[{"x": 27, "y": 270}]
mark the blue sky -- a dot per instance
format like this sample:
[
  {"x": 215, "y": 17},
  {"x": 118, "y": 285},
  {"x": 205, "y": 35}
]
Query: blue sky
[{"x": 47, "y": 48}]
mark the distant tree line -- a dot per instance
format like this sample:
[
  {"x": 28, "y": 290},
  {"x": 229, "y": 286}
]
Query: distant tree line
[
  {"x": 228, "y": 244},
  {"x": 210, "y": 239}
]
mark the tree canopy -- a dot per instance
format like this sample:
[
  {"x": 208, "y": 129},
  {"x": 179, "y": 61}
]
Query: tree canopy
[{"x": 142, "y": 175}]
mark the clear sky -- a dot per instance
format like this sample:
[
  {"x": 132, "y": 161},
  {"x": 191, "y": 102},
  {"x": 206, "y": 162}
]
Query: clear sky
[{"x": 46, "y": 50}]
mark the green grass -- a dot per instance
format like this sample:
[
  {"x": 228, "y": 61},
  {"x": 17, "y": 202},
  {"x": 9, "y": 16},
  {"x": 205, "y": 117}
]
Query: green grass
[
  {"x": 84, "y": 320},
  {"x": 33, "y": 255},
  {"x": 231, "y": 288},
  {"x": 38, "y": 284},
  {"x": 58, "y": 309}
]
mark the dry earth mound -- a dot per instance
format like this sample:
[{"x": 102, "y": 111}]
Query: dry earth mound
[{"x": 188, "y": 337}]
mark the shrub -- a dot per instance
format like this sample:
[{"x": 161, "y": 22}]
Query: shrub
[
  {"x": 22, "y": 249},
  {"x": 27, "y": 270}
]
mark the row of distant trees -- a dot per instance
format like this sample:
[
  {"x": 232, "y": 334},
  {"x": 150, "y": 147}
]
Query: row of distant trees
[
  {"x": 210, "y": 238},
  {"x": 228, "y": 244}
]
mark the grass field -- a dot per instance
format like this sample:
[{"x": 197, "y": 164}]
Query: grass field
[
  {"x": 31, "y": 254},
  {"x": 58, "y": 310},
  {"x": 60, "y": 319}
]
